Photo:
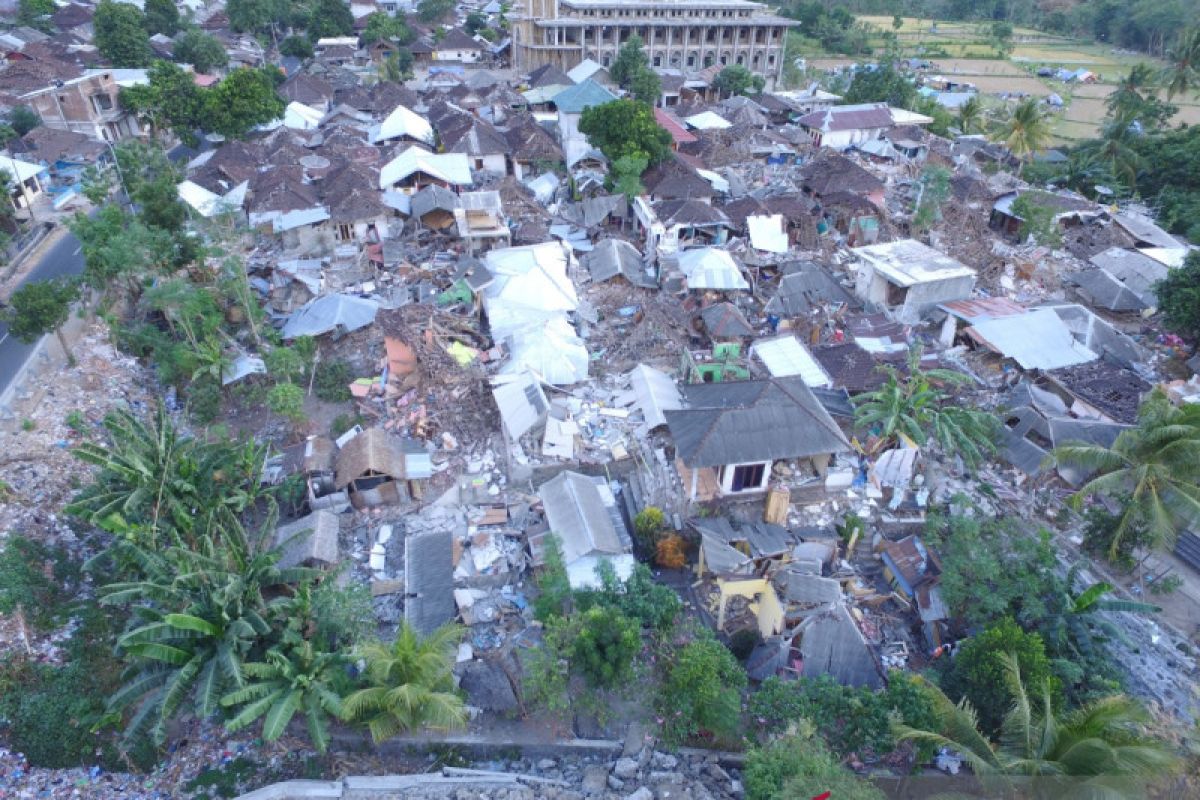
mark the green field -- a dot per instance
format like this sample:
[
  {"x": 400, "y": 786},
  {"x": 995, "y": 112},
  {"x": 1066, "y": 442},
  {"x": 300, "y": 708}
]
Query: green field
[{"x": 965, "y": 50}]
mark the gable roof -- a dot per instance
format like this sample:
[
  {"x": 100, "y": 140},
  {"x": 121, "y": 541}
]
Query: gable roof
[
  {"x": 801, "y": 291},
  {"x": 457, "y": 39},
  {"x": 403, "y": 122},
  {"x": 836, "y": 173},
  {"x": 849, "y": 118},
  {"x": 752, "y": 421},
  {"x": 549, "y": 75},
  {"x": 672, "y": 179},
  {"x": 578, "y": 515},
  {"x": 452, "y": 168},
  {"x": 689, "y": 212},
  {"x": 575, "y": 99},
  {"x": 613, "y": 257},
  {"x": 529, "y": 141},
  {"x": 307, "y": 89},
  {"x": 832, "y": 644}
]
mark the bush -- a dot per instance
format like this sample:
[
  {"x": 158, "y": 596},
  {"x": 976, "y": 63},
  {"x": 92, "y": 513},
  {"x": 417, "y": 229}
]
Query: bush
[
  {"x": 647, "y": 525},
  {"x": 798, "y": 765},
  {"x": 287, "y": 400},
  {"x": 701, "y": 695},
  {"x": 39, "y": 579},
  {"x": 332, "y": 381},
  {"x": 669, "y": 553},
  {"x": 653, "y": 605},
  {"x": 605, "y": 646},
  {"x": 204, "y": 400}
]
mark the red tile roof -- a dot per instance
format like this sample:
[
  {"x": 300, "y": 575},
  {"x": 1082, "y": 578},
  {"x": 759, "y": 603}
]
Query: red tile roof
[{"x": 678, "y": 132}]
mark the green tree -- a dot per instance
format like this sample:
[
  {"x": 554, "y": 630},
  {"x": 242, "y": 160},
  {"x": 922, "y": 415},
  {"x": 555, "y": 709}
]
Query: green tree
[
  {"x": 297, "y": 47},
  {"x": 554, "y": 587},
  {"x": 1038, "y": 220},
  {"x": 36, "y": 14},
  {"x": 329, "y": 18},
  {"x": 1025, "y": 131},
  {"x": 918, "y": 406},
  {"x": 1155, "y": 465},
  {"x": 1179, "y": 297},
  {"x": 120, "y": 34},
  {"x": 202, "y": 50},
  {"x": 1135, "y": 99},
  {"x": 798, "y": 765},
  {"x": 170, "y": 100},
  {"x": 23, "y": 119},
  {"x": 476, "y": 22},
  {"x": 410, "y": 685},
  {"x": 97, "y": 184},
  {"x": 252, "y": 16},
  {"x": 970, "y": 115},
  {"x": 605, "y": 646},
  {"x": 934, "y": 188},
  {"x": 1099, "y": 750},
  {"x": 883, "y": 84},
  {"x": 434, "y": 10},
  {"x": 631, "y": 59},
  {"x": 626, "y": 127},
  {"x": 397, "y": 67},
  {"x": 287, "y": 400},
  {"x": 385, "y": 26},
  {"x": 160, "y": 205},
  {"x": 736, "y": 79},
  {"x": 244, "y": 99},
  {"x": 197, "y": 614},
  {"x": 161, "y": 16},
  {"x": 626, "y": 175},
  {"x": 646, "y": 86},
  {"x": 41, "y": 307},
  {"x": 977, "y": 673},
  {"x": 159, "y": 488},
  {"x": 119, "y": 247},
  {"x": 701, "y": 693},
  {"x": 1182, "y": 74}
]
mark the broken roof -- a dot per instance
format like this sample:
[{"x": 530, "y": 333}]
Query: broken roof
[
  {"x": 522, "y": 403},
  {"x": 1129, "y": 270},
  {"x": 725, "y": 321},
  {"x": 672, "y": 179},
  {"x": 907, "y": 262},
  {"x": 613, "y": 257},
  {"x": 831, "y": 644},
  {"x": 802, "y": 291},
  {"x": 688, "y": 211},
  {"x": 403, "y": 122},
  {"x": 529, "y": 141},
  {"x": 313, "y": 538},
  {"x": 656, "y": 393},
  {"x": 428, "y": 580},
  {"x": 1038, "y": 339},
  {"x": 330, "y": 312},
  {"x": 672, "y": 125},
  {"x": 831, "y": 172},
  {"x": 743, "y": 422},
  {"x": 578, "y": 513}
]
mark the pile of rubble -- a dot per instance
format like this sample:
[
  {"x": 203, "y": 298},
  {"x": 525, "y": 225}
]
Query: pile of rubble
[{"x": 38, "y": 474}]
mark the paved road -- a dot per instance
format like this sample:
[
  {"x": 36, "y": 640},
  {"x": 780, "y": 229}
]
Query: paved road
[{"x": 63, "y": 259}]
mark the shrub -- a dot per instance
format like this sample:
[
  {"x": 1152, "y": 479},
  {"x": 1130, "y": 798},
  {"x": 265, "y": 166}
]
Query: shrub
[
  {"x": 799, "y": 765},
  {"x": 669, "y": 552},
  {"x": 332, "y": 381},
  {"x": 287, "y": 400},
  {"x": 39, "y": 579},
  {"x": 605, "y": 646},
  {"x": 701, "y": 695},
  {"x": 647, "y": 525},
  {"x": 204, "y": 400}
]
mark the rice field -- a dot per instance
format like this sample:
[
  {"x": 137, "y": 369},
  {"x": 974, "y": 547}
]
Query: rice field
[{"x": 971, "y": 55}]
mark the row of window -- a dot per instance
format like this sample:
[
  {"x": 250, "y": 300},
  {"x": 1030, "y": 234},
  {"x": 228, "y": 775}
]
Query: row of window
[
  {"x": 710, "y": 34},
  {"x": 693, "y": 59},
  {"x": 675, "y": 12}
]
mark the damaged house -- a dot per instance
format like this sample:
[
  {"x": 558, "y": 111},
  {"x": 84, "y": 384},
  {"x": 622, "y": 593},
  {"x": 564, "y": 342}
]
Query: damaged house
[
  {"x": 377, "y": 468},
  {"x": 583, "y": 513},
  {"x": 907, "y": 278},
  {"x": 728, "y": 436}
]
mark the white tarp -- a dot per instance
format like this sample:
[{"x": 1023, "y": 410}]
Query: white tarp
[
  {"x": 453, "y": 168},
  {"x": 708, "y": 120},
  {"x": 242, "y": 366},
  {"x": 719, "y": 184},
  {"x": 551, "y": 350},
  {"x": 300, "y": 117},
  {"x": 531, "y": 285},
  {"x": 711, "y": 268},
  {"x": 787, "y": 356},
  {"x": 328, "y": 313},
  {"x": 767, "y": 233},
  {"x": 403, "y": 122}
]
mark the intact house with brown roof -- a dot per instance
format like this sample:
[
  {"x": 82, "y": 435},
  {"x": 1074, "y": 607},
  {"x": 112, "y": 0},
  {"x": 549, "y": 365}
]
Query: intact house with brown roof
[
  {"x": 485, "y": 147},
  {"x": 843, "y": 127},
  {"x": 457, "y": 47},
  {"x": 729, "y": 435},
  {"x": 308, "y": 90}
]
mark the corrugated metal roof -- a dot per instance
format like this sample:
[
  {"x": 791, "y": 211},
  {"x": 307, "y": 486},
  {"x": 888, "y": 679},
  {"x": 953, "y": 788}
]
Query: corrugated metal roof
[
  {"x": 831, "y": 644},
  {"x": 577, "y": 513},
  {"x": 656, "y": 393},
  {"x": 983, "y": 308},
  {"x": 428, "y": 581},
  {"x": 786, "y": 356},
  {"x": 1038, "y": 339}
]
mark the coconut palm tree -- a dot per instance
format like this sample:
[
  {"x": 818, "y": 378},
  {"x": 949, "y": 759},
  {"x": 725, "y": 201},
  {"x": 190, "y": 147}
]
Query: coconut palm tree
[
  {"x": 1128, "y": 95},
  {"x": 1098, "y": 750},
  {"x": 970, "y": 115},
  {"x": 410, "y": 684},
  {"x": 196, "y": 615},
  {"x": 917, "y": 407},
  {"x": 1074, "y": 625},
  {"x": 1117, "y": 151},
  {"x": 1155, "y": 464},
  {"x": 1025, "y": 131},
  {"x": 1182, "y": 75}
]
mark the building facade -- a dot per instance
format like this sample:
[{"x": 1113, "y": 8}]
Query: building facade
[
  {"x": 88, "y": 104},
  {"x": 687, "y": 35}
]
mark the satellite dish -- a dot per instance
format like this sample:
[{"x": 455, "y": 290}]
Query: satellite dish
[{"x": 314, "y": 162}]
